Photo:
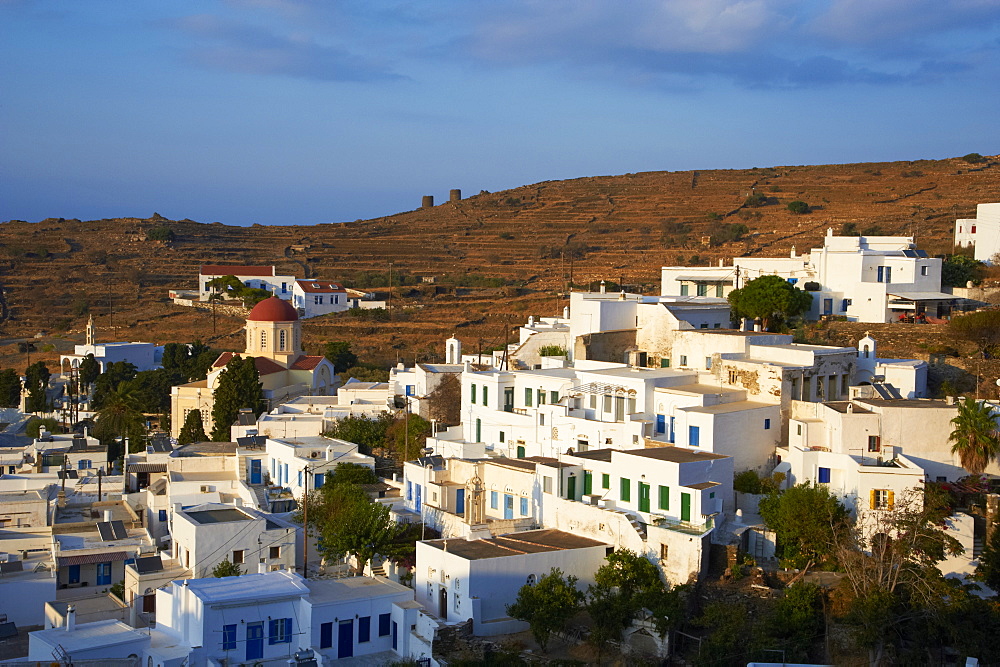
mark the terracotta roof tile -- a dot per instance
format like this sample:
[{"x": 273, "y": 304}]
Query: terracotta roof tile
[
  {"x": 306, "y": 363},
  {"x": 317, "y": 286},
  {"x": 223, "y": 359},
  {"x": 265, "y": 366}
]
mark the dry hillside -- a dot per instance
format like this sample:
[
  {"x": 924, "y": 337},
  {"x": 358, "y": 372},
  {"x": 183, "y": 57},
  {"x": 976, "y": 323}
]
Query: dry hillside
[{"x": 535, "y": 237}]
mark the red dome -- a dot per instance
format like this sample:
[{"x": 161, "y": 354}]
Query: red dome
[{"x": 273, "y": 309}]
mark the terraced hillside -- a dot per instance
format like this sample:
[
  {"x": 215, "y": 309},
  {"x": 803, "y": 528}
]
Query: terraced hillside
[{"x": 620, "y": 228}]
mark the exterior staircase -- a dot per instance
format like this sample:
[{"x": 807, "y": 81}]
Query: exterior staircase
[{"x": 638, "y": 525}]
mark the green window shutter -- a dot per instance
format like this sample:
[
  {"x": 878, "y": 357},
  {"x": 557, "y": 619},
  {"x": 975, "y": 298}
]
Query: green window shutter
[
  {"x": 664, "y": 497},
  {"x": 626, "y": 489},
  {"x": 588, "y": 482},
  {"x": 486, "y": 393},
  {"x": 527, "y": 398},
  {"x": 553, "y": 397},
  {"x": 473, "y": 393},
  {"x": 605, "y": 481}
]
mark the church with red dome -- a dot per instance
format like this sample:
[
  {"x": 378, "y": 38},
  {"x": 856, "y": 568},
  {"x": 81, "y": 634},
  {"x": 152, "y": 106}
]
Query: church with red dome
[{"x": 274, "y": 340}]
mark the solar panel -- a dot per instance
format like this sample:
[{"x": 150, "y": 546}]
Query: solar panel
[
  {"x": 118, "y": 528},
  {"x": 12, "y": 566},
  {"x": 104, "y": 528},
  {"x": 149, "y": 564}
]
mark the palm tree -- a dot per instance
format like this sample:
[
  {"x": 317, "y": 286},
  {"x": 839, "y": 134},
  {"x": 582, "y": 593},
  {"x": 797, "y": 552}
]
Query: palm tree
[
  {"x": 975, "y": 438},
  {"x": 120, "y": 416}
]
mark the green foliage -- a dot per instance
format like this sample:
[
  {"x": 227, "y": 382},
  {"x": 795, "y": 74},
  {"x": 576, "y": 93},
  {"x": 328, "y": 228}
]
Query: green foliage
[
  {"x": 547, "y": 606},
  {"x": 369, "y": 314},
  {"x": 730, "y": 639},
  {"x": 366, "y": 432},
  {"x": 120, "y": 417},
  {"x": 338, "y": 352},
  {"x": 552, "y": 351},
  {"x": 988, "y": 570},
  {"x": 796, "y": 621},
  {"x": 115, "y": 373},
  {"x": 193, "y": 429},
  {"x": 365, "y": 372},
  {"x": 90, "y": 368},
  {"x": 749, "y": 481},
  {"x": 406, "y": 436},
  {"x": 849, "y": 229},
  {"x": 192, "y": 360},
  {"x": 728, "y": 232},
  {"x": 349, "y": 524},
  {"x": 974, "y": 158},
  {"x": 803, "y": 519},
  {"x": 36, "y": 380},
  {"x": 982, "y": 328},
  {"x": 758, "y": 199},
  {"x": 10, "y": 388},
  {"x": 352, "y": 473},
  {"x": 770, "y": 299},
  {"x": 798, "y": 207},
  {"x": 161, "y": 233},
  {"x": 477, "y": 280},
  {"x": 975, "y": 438},
  {"x": 35, "y": 425},
  {"x": 235, "y": 288},
  {"x": 152, "y": 389},
  {"x": 239, "y": 387},
  {"x": 959, "y": 270},
  {"x": 118, "y": 590},
  {"x": 227, "y": 568}
]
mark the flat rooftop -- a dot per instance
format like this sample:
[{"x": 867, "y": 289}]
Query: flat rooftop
[
  {"x": 596, "y": 454},
  {"x": 206, "y": 449},
  {"x": 699, "y": 389},
  {"x": 674, "y": 454},
  {"x": 89, "y": 636},
  {"x": 906, "y": 403},
  {"x": 725, "y": 408},
  {"x": 352, "y": 588},
  {"x": 248, "y": 587},
  {"x": 218, "y": 516},
  {"x": 515, "y": 544},
  {"x": 841, "y": 406}
]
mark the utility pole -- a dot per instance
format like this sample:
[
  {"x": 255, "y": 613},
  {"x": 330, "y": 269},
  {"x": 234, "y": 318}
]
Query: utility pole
[
  {"x": 305, "y": 526},
  {"x": 390, "y": 291}
]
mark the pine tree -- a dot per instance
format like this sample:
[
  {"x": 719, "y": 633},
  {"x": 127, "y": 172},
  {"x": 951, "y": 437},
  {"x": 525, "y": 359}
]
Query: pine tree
[
  {"x": 36, "y": 380},
  {"x": 10, "y": 388},
  {"x": 239, "y": 387},
  {"x": 193, "y": 429}
]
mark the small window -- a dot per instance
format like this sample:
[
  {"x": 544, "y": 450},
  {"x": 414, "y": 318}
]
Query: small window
[
  {"x": 924, "y": 270},
  {"x": 527, "y": 398},
  {"x": 524, "y": 507},
  {"x": 664, "y": 552},
  {"x": 502, "y": 438},
  {"x": 547, "y": 484},
  {"x": 664, "y": 498},
  {"x": 708, "y": 363},
  {"x": 553, "y": 397},
  {"x": 163, "y": 515},
  {"x": 530, "y": 581},
  {"x": 605, "y": 481},
  {"x": 767, "y": 424},
  {"x": 280, "y": 631},
  {"x": 798, "y": 429},
  {"x": 274, "y": 552},
  {"x": 665, "y": 363},
  {"x": 238, "y": 557},
  {"x": 823, "y": 476},
  {"x": 486, "y": 395},
  {"x": 494, "y": 500},
  {"x": 473, "y": 394},
  {"x": 541, "y": 420},
  {"x": 229, "y": 637},
  {"x": 881, "y": 499},
  {"x": 364, "y": 629},
  {"x": 874, "y": 443},
  {"x": 684, "y": 360},
  {"x": 383, "y": 625}
]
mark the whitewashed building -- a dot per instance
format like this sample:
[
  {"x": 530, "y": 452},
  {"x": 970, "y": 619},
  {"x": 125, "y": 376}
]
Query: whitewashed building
[
  {"x": 258, "y": 277},
  {"x": 289, "y": 459},
  {"x": 144, "y": 356},
  {"x": 981, "y": 232}
]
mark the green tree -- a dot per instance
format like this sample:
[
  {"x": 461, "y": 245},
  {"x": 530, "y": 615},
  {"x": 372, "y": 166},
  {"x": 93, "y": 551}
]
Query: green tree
[
  {"x": 975, "y": 438},
  {"x": 191, "y": 361},
  {"x": 959, "y": 270},
  {"x": 161, "y": 233},
  {"x": 152, "y": 389},
  {"x": 351, "y": 473},
  {"x": 232, "y": 285},
  {"x": 193, "y": 429},
  {"x": 227, "y": 568},
  {"x": 803, "y": 519},
  {"x": 365, "y": 373},
  {"x": 366, "y": 432},
  {"x": 115, "y": 373},
  {"x": 796, "y": 621},
  {"x": 36, "y": 381},
  {"x": 90, "y": 368},
  {"x": 981, "y": 328},
  {"x": 974, "y": 158},
  {"x": 988, "y": 570},
  {"x": 406, "y": 436},
  {"x": 338, "y": 352},
  {"x": 445, "y": 401},
  {"x": 349, "y": 524},
  {"x": 120, "y": 417},
  {"x": 730, "y": 639},
  {"x": 798, "y": 207},
  {"x": 770, "y": 299},
  {"x": 239, "y": 387},
  {"x": 35, "y": 424},
  {"x": 548, "y": 605},
  {"x": 10, "y": 388}
]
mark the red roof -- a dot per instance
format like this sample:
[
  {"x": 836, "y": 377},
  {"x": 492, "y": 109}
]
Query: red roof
[
  {"x": 236, "y": 270},
  {"x": 265, "y": 366},
  {"x": 306, "y": 363},
  {"x": 223, "y": 359},
  {"x": 273, "y": 309},
  {"x": 87, "y": 559},
  {"x": 314, "y": 286}
]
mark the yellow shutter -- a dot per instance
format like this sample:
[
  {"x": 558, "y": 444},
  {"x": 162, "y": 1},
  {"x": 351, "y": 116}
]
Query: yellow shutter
[
  {"x": 892, "y": 499},
  {"x": 871, "y": 499}
]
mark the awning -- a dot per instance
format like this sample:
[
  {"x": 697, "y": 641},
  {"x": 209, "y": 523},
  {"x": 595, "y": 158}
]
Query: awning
[
  {"x": 88, "y": 559},
  {"x": 147, "y": 467},
  {"x": 923, "y": 296}
]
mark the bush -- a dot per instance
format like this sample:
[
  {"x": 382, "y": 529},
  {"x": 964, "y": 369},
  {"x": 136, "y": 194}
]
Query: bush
[
  {"x": 726, "y": 233},
  {"x": 552, "y": 351},
  {"x": 974, "y": 158},
  {"x": 798, "y": 207},
  {"x": 161, "y": 233},
  {"x": 35, "y": 425}
]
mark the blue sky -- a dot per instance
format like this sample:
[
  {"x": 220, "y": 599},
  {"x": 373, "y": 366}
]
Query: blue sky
[{"x": 306, "y": 111}]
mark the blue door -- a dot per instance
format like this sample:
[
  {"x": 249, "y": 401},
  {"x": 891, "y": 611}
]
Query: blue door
[
  {"x": 661, "y": 423},
  {"x": 255, "y": 640},
  {"x": 460, "y": 501},
  {"x": 74, "y": 574},
  {"x": 416, "y": 498},
  {"x": 255, "y": 477},
  {"x": 103, "y": 574},
  {"x": 395, "y": 636},
  {"x": 508, "y": 506},
  {"x": 828, "y": 306},
  {"x": 345, "y": 639},
  {"x": 670, "y": 435}
]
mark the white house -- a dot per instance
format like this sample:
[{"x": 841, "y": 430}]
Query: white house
[
  {"x": 863, "y": 278},
  {"x": 416, "y": 384},
  {"x": 272, "y": 617},
  {"x": 259, "y": 277},
  {"x": 981, "y": 232},
  {"x": 900, "y": 378},
  {"x": 101, "y": 640},
  {"x": 458, "y": 579},
  {"x": 322, "y": 297},
  {"x": 144, "y": 356},
  {"x": 296, "y": 462},
  {"x": 205, "y": 535}
]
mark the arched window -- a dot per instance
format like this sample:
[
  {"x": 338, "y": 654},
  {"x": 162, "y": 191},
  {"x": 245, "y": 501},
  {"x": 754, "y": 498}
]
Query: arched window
[
  {"x": 866, "y": 351},
  {"x": 263, "y": 340},
  {"x": 282, "y": 339}
]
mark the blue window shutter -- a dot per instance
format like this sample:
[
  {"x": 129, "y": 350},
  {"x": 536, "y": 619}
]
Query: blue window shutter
[
  {"x": 383, "y": 625},
  {"x": 272, "y": 631},
  {"x": 163, "y": 515},
  {"x": 767, "y": 424},
  {"x": 288, "y": 631},
  {"x": 364, "y": 629},
  {"x": 694, "y": 435},
  {"x": 824, "y": 475}
]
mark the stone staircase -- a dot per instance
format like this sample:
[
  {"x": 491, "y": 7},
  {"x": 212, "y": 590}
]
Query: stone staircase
[{"x": 638, "y": 525}]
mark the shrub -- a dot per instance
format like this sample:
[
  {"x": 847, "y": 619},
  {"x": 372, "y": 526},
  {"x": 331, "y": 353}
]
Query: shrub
[
  {"x": 552, "y": 351},
  {"x": 974, "y": 158},
  {"x": 798, "y": 207},
  {"x": 161, "y": 233}
]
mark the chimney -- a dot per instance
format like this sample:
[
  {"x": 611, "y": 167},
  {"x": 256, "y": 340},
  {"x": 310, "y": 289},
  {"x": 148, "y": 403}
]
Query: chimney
[
  {"x": 70, "y": 618},
  {"x": 603, "y": 288},
  {"x": 566, "y": 312},
  {"x": 850, "y": 408},
  {"x": 107, "y": 515},
  {"x": 793, "y": 252}
]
